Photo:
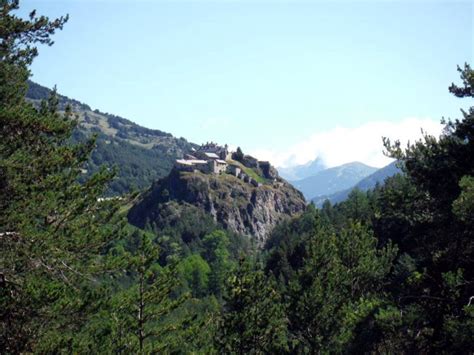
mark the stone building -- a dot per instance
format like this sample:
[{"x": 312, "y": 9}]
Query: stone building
[
  {"x": 210, "y": 147},
  {"x": 217, "y": 166},
  {"x": 192, "y": 165},
  {"x": 209, "y": 159},
  {"x": 207, "y": 155},
  {"x": 233, "y": 170}
]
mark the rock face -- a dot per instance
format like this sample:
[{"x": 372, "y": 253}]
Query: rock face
[
  {"x": 236, "y": 205},
  {"x": 268, "y": 170}
]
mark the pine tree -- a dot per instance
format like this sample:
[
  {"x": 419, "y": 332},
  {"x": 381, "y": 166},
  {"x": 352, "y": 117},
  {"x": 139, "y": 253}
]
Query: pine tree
[
  {"x": 429, "y": 220},
  {"x": 238, "y": 155},
  {"x": 336, "y": 289},
  {"x": 138, "y": 316},
  {"x": 217, "y": 255},
  {"x": 52, "y": 229},
  {"x": 17, "y": 50},
  {"x": 253, "y": 320}
]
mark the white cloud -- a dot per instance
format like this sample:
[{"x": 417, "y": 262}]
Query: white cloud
[{"x": 343, "y": 145}]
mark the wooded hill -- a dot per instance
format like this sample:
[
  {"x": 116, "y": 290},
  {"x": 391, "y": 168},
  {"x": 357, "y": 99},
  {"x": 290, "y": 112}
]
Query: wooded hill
[{"x": 141, "y": 155}]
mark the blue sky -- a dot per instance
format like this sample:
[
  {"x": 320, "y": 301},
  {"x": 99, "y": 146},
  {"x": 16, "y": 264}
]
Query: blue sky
[{"x": 287, "y": 80}]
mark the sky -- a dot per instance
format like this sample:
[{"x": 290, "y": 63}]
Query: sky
[{"x": 287, "y": 81}]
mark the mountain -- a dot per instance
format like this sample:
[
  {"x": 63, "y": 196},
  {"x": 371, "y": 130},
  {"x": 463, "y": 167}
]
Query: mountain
[
  {"x": 142, "y": 155},
  {"x": 365, "y": 184},
  {"x": 331, "y": 180},
  {"x": 232, "y": 202},
  {"x": 300, "y": 172}
]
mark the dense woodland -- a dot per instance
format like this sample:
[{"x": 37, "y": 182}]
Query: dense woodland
[{"x": 387, "y": 271}]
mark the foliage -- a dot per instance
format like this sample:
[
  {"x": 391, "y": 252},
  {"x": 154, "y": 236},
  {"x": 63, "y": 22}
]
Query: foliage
[
  {"x": 195, "y": 271},
  {"x": 238, "y": 155},
  {"x": 60, "y": 289},
  {"x": 138, "y": 311},
  {"x": 52, "y": 229},
  {"x": 387, "y": 271},
  {"x": 139, "y": 154},
  {"x": 463, "y": 206},
  {"x": 337, "y": 287},
  {"x": 253, "y": 320},
  {"x": 17, "y": 48},
  {"x": 217, "y": 254},
  {"x": 427, "y": 214},
  {"x": 286, "y": 246},
  {"x": 420, "y": 303}
]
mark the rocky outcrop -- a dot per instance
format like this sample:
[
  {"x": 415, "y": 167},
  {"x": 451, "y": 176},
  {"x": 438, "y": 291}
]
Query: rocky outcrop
[
  {"x": 238, "y": 206},
  {"x": 250, "y": 161},
  {"x": 268, "y": 171}
]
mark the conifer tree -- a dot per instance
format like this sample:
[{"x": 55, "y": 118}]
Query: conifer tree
[
  {"x": 238, "y": 155},
  {"x": 253, "y": 320},
  {"x": 52, "y": 229},
  {"x": 336, "y": 289},
  {"x": 431, "y": 221},
  {"x": 217, "y": 255},
  {"x": 139, "y": 323}
]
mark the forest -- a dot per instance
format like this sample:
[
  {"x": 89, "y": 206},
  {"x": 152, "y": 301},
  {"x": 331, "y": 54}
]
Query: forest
[{"x": 390, "y": 270}]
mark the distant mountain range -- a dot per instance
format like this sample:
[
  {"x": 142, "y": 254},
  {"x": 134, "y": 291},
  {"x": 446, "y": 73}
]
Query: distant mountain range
[
  {"x": 142, "y": 155},
  {"x": 328, "y": 181},
  {"x": 300, "y": 172},
  {"x": 365, "y": 184},
  {"x": 145, "y": 157}
]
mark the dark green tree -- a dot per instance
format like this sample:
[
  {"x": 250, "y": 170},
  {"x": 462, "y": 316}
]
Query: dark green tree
[
  {"x": 217, "y": 255},
  {"x": 238, "y": 155},
  {"x": 427, "y": 213},
  {"x": 357, "y": 207},
  {"x": 336, "y": 289},
  {"x": 286, "y": 246},
  {"x": 52, "y": 229},
  {"x": 17, "y": 48},
  {"x": 195, "y": 271},
  {"x": 463, "y": 206},
  {"x": 253, "y": 320},
  {"x": 139, "y": 321}
]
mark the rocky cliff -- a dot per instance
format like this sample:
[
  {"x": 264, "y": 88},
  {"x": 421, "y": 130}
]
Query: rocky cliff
[{"x": 236, "y": 205}]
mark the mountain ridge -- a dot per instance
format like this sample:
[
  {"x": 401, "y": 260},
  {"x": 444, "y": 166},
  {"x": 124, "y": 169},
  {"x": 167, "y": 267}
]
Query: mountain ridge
[
  {"x": 142, "y": 155},
  {"x": 302, "y": 171},
  {"x": 367, "y": 183},
  {"x": 334, "y": 179}
]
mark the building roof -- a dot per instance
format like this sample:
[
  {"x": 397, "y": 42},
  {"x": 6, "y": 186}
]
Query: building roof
[
  {"x": 221, "y": 161},
  {"x": 190, "y": 162},
  {"x": 211, "y": 155},
  {"x": 183, "y": 162}
]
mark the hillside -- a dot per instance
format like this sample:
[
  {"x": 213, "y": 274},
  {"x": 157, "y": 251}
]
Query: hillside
[
  {"x": 236, "y": 205},
  {"x": 142, "y": 155},
  {"x": 365, "y": 184},
  {"x": 331, "y": 180}
]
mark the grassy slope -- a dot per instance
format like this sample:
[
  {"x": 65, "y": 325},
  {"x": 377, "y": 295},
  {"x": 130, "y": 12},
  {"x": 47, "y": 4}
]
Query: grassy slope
[{"x": 249, "y": 171}]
